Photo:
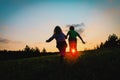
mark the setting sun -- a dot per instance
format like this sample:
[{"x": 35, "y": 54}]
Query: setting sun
[{"x": 73, "y": 51}]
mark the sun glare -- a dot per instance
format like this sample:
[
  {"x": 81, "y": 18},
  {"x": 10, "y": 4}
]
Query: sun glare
[
  {"x": 72, "y": 56},
  {"x": 73, "y": 51}
]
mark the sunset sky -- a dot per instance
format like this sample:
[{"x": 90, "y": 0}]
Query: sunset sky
[{"x": 31, "y": 22}]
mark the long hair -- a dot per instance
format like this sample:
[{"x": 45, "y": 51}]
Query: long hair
[{"x": 57, "y": 30}]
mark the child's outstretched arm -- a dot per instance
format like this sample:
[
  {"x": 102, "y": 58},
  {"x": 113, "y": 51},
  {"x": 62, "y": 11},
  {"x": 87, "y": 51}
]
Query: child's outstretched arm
[
  {"x": 81, "y": 39},
  {"x": 50, "y": 39}
]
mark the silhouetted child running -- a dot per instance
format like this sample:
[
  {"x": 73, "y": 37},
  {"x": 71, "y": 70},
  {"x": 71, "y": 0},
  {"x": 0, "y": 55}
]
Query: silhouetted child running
[
  {"x": 60, "y": 41},
  {"x": 73, "y": 39}
]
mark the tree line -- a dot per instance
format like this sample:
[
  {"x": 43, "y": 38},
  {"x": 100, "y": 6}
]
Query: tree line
[
  {"x": 113, "y": 41},
  {"x": 25, "y": 53}
]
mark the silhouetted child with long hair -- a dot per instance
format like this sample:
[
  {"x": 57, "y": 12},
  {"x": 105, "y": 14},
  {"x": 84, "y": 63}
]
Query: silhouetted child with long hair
[
  {"x": 60, "y": 41},
  {"x": 73, "y": 39}
]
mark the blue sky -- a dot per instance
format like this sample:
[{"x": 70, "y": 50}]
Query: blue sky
[{"x": 32, "y": 21}]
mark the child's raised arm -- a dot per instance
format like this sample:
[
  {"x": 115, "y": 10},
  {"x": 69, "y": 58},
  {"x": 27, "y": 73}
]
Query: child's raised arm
[{"x": 50, "y": 39}]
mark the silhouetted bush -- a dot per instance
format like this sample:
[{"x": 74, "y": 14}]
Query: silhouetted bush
[
  {"x": 44, "y": 50},
  {"x": 112, "y": 42},
  {"x": 27, "y": 52}
]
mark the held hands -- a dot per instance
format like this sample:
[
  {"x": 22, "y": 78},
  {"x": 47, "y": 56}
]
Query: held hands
[{"x": 65, "y": 37}]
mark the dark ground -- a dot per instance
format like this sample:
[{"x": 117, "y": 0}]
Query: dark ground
[{"x": 101, "y": 64}]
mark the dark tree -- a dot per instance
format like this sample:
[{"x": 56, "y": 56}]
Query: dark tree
[
  {"x": 44, "y": 50},
  {"x": 37, "y": 50},
  {"x": 113, "y": 41},
  {"x": 27, "y": 49}
]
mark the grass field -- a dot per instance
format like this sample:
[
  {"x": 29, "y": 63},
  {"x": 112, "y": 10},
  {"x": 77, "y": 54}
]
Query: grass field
[{"x": 102, "y": 64}]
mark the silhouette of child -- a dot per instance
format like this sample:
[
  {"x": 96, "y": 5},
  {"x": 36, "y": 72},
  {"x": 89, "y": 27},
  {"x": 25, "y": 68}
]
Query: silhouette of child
[
  {"x": 72, "y": 38},
  {"x": 60, "y": 41}
]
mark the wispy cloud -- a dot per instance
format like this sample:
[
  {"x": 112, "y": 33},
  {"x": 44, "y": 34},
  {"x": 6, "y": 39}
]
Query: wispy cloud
[
  {"x": 3, "y": 40},
  {"x": 78, "y": 27},
  {"x": 6, "y": 41}
]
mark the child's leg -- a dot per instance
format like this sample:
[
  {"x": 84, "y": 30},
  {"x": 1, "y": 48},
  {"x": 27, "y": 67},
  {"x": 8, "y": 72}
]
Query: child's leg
[
  {"x": 72, "y": 45},
  {"x": 62, "y": 53},
  {"x": 62, "y": 49},
  {"x": 75, "y": 45}
]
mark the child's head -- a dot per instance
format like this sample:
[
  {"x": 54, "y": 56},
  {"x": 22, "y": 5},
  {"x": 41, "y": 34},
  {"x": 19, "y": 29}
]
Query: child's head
[
  {"x": 57, "y": 30},
  {"x": 71, "y": 27}
]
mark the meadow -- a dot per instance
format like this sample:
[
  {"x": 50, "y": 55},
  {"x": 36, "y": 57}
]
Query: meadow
[{"x": 100, "y": 64}]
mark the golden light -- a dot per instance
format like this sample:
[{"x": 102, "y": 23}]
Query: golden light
[
  {"x": 71, "y": 57},
  {"x": 73, "y": 51}
]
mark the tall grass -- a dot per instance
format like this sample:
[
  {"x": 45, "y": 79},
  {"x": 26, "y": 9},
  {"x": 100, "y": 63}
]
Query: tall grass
[{"x": 101, "y": 64}]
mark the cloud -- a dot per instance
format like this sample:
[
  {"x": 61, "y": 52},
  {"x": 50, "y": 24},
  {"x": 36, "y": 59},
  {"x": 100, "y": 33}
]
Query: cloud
[
  {"x": 3, "y": 40},
  {"x": 80, "y": 30},
  {"x": 78, "y": 27},
  {"x": 6, "y": 41}
]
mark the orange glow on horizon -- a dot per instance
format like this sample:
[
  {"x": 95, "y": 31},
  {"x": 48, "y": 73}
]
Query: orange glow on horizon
[{"x": 72, "y": 57}]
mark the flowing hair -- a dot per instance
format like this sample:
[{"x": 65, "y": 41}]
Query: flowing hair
[{"x": 57, "y": 30}]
